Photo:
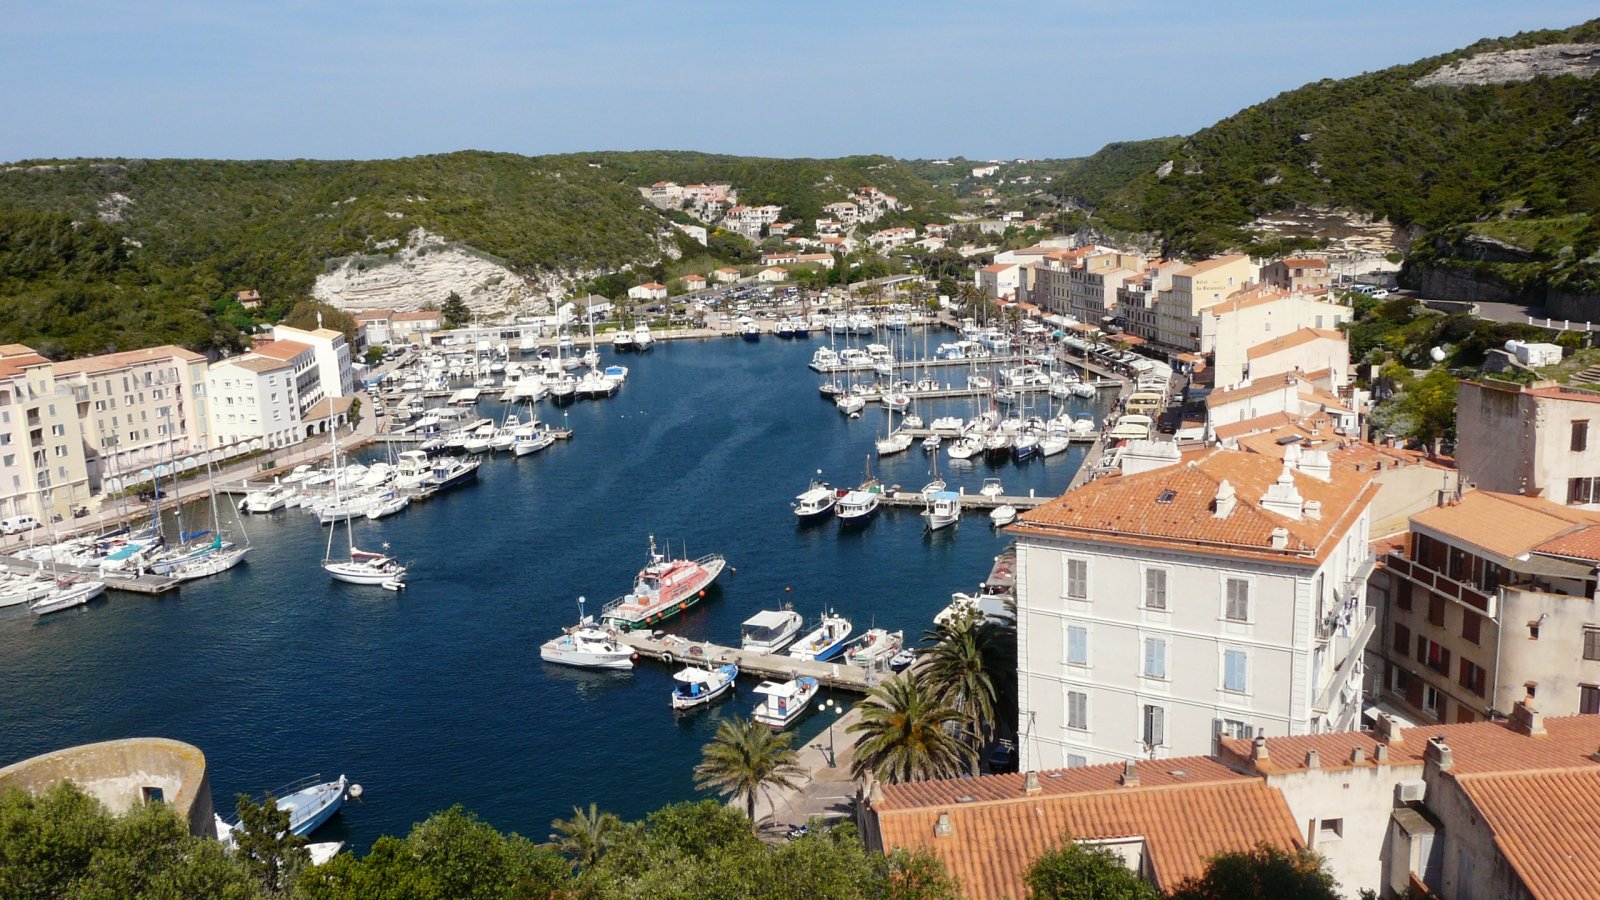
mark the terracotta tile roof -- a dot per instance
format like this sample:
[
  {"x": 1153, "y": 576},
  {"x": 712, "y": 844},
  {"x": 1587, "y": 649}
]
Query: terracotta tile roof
[
  {"x": 1296, "y": 338},
  {"x": 1583, "y": 545},
  {"x": 1206, "y": 265},
  {"x": 284, "y": 350},
  {"x": 1324, "y": 399},
  {"x": 1504, "y": 524},
  {"x": 421, "y": 315},
  {"x": 692, "y": 277},
  {"x": 1268, "y": 422},
  {"x": 110, "y": 361},
  {"x": 328, "y": 406},
  {"x": 1224, "y": 396},
  {"x": 368, "y": 315},
  {"x": 1546, "y": 825},
  {"x": 1249, "y": 297},
  {"x": 999, "y": 267},
  {"x": 1184, "y": 820},
  {"x": 258, "y": 364},
  {"x": 1305, "y": 262},
  {"x": 14, "y": 362},
  {"x": 1173, "y": 508},
  {"x": 1561, "y": 393}
]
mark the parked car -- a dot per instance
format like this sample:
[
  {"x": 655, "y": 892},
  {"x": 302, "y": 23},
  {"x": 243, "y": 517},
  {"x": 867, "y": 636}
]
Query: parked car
[{"x": 18, "y": 524}]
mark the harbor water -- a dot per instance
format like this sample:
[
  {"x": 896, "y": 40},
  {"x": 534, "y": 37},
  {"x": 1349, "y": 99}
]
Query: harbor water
[{"x": 436, "y": 696}]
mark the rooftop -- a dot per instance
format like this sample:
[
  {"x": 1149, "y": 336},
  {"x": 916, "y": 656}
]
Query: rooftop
[
  {"x": 1546, "y": 825},
  {"x": 1507, "y": 525},
  {"x": 1216, "y": 262},
  {"x": 1297, "y": 338},
  {"x": 421, "y": 315},
  {"x": 1305, "y": 262},
  {"x": 284, "y": 350},
  {"x": 257, "y": 364},
  {"x": 111, "y": 361}
]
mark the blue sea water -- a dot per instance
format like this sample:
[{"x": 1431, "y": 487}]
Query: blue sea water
[{"x": 436, "y": 696}]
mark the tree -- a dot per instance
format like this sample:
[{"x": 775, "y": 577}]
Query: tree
[
  {"x": 747, "y": 758},
  {"x": 309, "y": 315},
  {"x": 1262, "y": 874},
  {"x": 455, "y": 311},
  {"x": 374, "y": 356},
  {"x": 908, "y": 735},
  {"x": 1086, "y": 872},
  {"x": 956, "y": 667},
  {"x": 585, "y": 837},
  {"x": 263, "y": 842},
  {"x": 1430, "y": 405}
]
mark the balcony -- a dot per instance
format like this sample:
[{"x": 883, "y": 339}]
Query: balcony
[
  {"x": 1349, "y": 662},
  {"x": 1442, "y": 584}
]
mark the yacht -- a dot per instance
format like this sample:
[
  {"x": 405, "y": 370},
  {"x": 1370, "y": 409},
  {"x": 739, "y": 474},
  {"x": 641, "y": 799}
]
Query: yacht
[
  {"x": 1053, "y": 443},
  {"x": 65, "y": 594},
  {"x": 531, "y": 439},
  {"x": 449, "y": 472},
  {"x": 965, "y": 447},
  {"x": 394, "y": 503},
  {"x": 784, "y": 701},
  {"x": 18, "y": 589},
  {"x": 931, "y": 443},
  {"x": 825, "y": 641},
  {"x": 1025, "y": 446},
  {"x": 642, "y": 338},
  {"x": 874, "y": 647},
  {"x": 563, "y": 388},
  {"x": 851, "y": 404},
  {"x": 696, "y": 687},
  {"x": 816, "y": 501},
  {"x": 770, "y": 630},
  {"x": 944, "y": 510},
  {"x": 364, "y": 567},
  {"x": 622, "y": 340},
  {"x": 992, "y": 488},
  {"x": 663, "y": 589},
  {"x": 594, "y": 383},
  {"x": 267, "y": 500},
  {"x": 824, "y": 360},
  {"x": 588, "y": 646},
  {"x": 947, "y": 426},
  {"x": 997, "y": 447}
]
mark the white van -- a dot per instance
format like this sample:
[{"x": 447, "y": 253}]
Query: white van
[{"x": 18, "y": 524}]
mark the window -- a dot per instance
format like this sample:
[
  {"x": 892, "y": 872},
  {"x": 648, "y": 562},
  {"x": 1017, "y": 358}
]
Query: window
[
  {"x": 1330, "y": 829},
  {"x": 1077, "y": 645},
  {"x": 1155, "y": 658},
  {"x": 1433, "y": 655},
  {"x": 1402, "y": 639},
  {"x": 1580, "y": 435},
  {"x": 1078, "y": 710},
  {"x": 1588, "y": 699},
  {"x": 1155, "y": 589},
  {"x": 152, "y": 794},
  {"x": 1583, "y": 490},
  {"x": 1471, "y": 626},
  {"x": 1235, "y": 728},
  {"x": 1591, "y": 643},
  {"x": 1078, "y": 579},
  {"x": 1533, "y": 631},
  {"x": 1473, "y": 677},
  {"x": 1430, "y": 699},
  {"x": 1436, "y": 610},
  {"x": 1234, "y": 664},
  {"x": 1399, "y": 681},
  {"x": 1155, "y": 726},
  {"x": 1238, "y": 603}
]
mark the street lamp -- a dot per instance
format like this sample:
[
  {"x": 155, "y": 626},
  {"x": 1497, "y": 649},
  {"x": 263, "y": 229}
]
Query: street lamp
[{"x": 831, "y": 705}]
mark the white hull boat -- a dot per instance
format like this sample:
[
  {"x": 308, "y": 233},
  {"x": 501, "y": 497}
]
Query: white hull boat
[
  {"x": 769, "y": 631},
  {"x": 211, "y": 564},
  {"x": 825, "y": 641},
  {"x": 66, "y": 596},
  {"x": 697, "y": 687},
  {"x": 899, "y": 442},
  {"x": 1002, "y": 516},
  {"x": 875, "y": 647},
  {"x": 588, "y": 646},
  {"x": 944, "y": 510},
  {"x": 784, "y": 701}
]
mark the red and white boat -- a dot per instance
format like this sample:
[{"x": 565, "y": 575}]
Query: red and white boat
[{"x": 663, "y": 589}]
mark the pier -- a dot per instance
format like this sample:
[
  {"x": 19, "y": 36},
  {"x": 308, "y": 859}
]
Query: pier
[
  {"x": 147, "y": 583},
  {"x": 969, "y": 502},
  {"x": 672, "y": 650}
]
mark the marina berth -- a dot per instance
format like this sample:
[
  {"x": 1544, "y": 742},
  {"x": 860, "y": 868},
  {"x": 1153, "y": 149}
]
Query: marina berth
[
  {"x": 783, "y": 702},
  {"x": 770, "y": 630},
  {"x": 693, "y": 687},
  {"x": 825, "y": 641}
]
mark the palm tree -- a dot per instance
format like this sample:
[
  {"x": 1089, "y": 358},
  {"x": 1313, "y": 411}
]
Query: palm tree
[
  {"x": 586, "y": 836},
  {"x": 907, "y": 735},
  {"x": 957, "y": 668},
  {"x": 747, "y": 758}
]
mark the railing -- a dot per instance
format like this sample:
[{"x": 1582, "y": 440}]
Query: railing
[
  {"x": 1346, "y": 666},
  {"x": 1437, "y": 581}
]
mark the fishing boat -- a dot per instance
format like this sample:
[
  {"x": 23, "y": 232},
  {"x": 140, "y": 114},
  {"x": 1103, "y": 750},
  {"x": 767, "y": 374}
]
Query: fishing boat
[
  {"x": 696, "y": 687},
  {"x": 857, "y": 507},
  {"x": 663, "y": 589},
  {"x": 309, "y": 804},
  {"x": 825, "y": 641},
  {"x": 750, "y": 331},
  {"x": 784, "y": 701},
  {"x": 770, "y": 630},
  {"x": 1002, "y": 516},
  {"x": 816, "y": 501},
  {"x": 902, "y": 661},
  {"x": 531, "y": 439},
  {"x": 943, "y": 510},
  {"x": 784, "y": 328},
  {"x": 874, "y": 647},
  {"x": 587, "y": 645}
]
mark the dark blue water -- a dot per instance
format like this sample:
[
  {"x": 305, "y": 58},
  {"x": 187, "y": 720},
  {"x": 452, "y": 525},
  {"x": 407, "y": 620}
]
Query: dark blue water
[{"x": 436, "y": 696}]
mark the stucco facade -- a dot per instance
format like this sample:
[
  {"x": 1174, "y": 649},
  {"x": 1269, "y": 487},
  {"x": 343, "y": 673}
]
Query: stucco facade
[{"x": 1540, "y": 440}]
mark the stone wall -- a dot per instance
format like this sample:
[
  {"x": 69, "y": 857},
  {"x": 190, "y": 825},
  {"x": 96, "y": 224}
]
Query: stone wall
[{"x": 117, "y": 772}]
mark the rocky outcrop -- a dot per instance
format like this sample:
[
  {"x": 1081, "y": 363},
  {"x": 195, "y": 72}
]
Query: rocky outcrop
[
  {"x": 425, "y": 272},
  {"x": 1346, "y": 232},
  {"x": 1506, "y": 66}
]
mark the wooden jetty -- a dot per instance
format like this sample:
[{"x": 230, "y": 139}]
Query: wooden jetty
[
  {"x": 969, "y": 502},
  {"x": 672, "y": 649},
  {"x": 148, "y": 583}
]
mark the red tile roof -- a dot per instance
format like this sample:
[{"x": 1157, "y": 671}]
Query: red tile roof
[
  {"x": 284, "y": 350},
  {"x": 1504, "y": 524},
  {"x": 109, "y": 361},
  {"x": 1296, "y": 338},
  {"x": 1546, "y": 825}
]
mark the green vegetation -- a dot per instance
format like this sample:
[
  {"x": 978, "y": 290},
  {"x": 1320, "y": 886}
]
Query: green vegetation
[
  {"x": 906, "y": 735},
  {"x": 747, "y": 759},
  {"x": 1085, "y": 872},
  {"x": 1265, "y": 873}
]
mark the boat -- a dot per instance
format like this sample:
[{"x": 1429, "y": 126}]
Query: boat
[
  {"x": 944, "y": 510},
  {"x": 269, "y": 499},
  {"x": 66, "y": 594},
  {"x": 588, "y": 646},
  {"x": 1003, "y": 515},
  {"x": 622, "y": 340},
  {"x": 895, "y": 442},
  {"x": 992, "y": 488},
  {"x": 531, "y": 439},
  {"x": 1024, "y": 447},
  {"x": 19, "y": 589},
  {"x": 857, "y": 507},
  {"x": 825, "y": 641},
  {"x": 750, "y": 331},
  {"x": 851, "y": 404},
  {"x": 931, "y": 443},
  {"x": 563, "y": 388},
  {"x": 902, "y": 661},
  {"x": 214, "y": 563},
  {"x": 997, "y": 447},
  {"x": 387, "y": 507},
  {"x": 663, "y": 589},
  {"x": 696, "y": 687},
  {"x": 362, "y": 566},
  {"x": 309, "y": 805},
  {"x": 642, "y": 338},
  {"x": 770, "y": 630},
  {"x": 1083, "y": 391},
  {"x": 300, "y": 473},
  {"x": 874, "y": 647},
  {"x": 1053, "y": 443},
  {"x": 802, "y": 328},
  {"x": 449, "y": 471},
  {"x": 816, "y": 501},
  {"x": 784, "y": 328},
  {"x": 784, "y": 701},
  {"x": 965, "y": 447}
]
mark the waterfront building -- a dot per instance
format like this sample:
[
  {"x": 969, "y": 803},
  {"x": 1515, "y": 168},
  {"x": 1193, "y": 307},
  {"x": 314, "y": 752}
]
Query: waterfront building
[
  {"x": 42, "y": 468},
  {"x": 332, "y": 357},
  {"x": 255, "y": 401},
  {"x": 1538, "y": 439},
  {"x": 1136, "y": 296},
  {"x": 1092, "y": 284},
  {"x": 138, "y": 408},
  {"x": 1255, "y": 316},
  {"x": 1002, "y": 281},
  {"x": 1292, "y": 393},
  {"x": 1195, "y": 289},
  {"x": 1300, "y": 274},
  {"x": 1225, "y": 594},
  {"x": 1489, "y": 600},
  {"x": 415, "y": 326}
]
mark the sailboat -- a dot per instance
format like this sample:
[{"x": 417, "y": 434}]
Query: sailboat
[
  {"x": 361, "y": 566},
  {"x": 75, "y": 590},
  {"x": 224, "y": 555}
]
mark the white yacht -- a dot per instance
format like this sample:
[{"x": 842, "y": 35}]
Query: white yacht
[
  {"x": 18, "y": 589},
  {"x": 825, "y": 641},
  {"x": 770, "y": 630},
  {"x": 587, "y": 646},
  {"x": 850, "y": 404},
  {"x": 944, "y": 510},
  {"x": 268, "y": 499},
  {"x": 621, "y": 340},
  {"x": 65, "y": 594},
  {"x": 642, "y": 338},
  {"x": 784, "y": 701}
]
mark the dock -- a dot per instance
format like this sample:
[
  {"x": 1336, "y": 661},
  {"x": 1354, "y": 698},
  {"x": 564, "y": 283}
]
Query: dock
[
  {"x": 672, "y": 650},
  {"x": 148, "y": 583},
  {"x": 969, "y": 502}
]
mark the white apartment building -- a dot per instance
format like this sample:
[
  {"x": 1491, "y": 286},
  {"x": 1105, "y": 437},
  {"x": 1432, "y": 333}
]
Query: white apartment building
[
  {"x": 302, "y": 358},
  {"x": 255, "y": 400},
  {"x": 1250, "y": 317},
  {"x": 1222, "y": 595},
  {"x": 42, "y": 469},
  {"x": 1194, "y": 290},
  {"x": 332, "y": 353},
  {"x": 138, "y": 408},
  {"x": 1092, "y": 286}
]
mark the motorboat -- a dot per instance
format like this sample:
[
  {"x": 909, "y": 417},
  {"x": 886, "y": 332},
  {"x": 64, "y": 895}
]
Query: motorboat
[
  {"x": 309, "y": 803},
  {"x": 299, "y": 474},
  {"x": 531, "y": 439},
  {"x": 642, "y": 338},
  {"x": 563, "y": 388},
  {"x": 19, "y": 589},
  {"x": 1083, "y": 391},
  {"x": 857, "y": 507},
  {"x": 816, "y": 501},
  {"x": 622, "y": 340},
  {"x": 875, "y": 647},
  {"x": 784, "y": 328},
  {"x": 931, "y": 443},
  {"x": 663, "y": 589},
  {"x": 992, "y": 488},
  {"x": 65, "y": 594},
  {"x": 594, "y": 383},
  {"x": 784, "y": 701},
  {"x": 616, "y": 374},
  {"x": 825, "y": 641},
  {"x": 944, "y": 510},
  {"x": 896, "y": 442},
  {"x": 269, "y": 499},
  {"x": 587, "y": 646},
  {"x": 802, "y": 328},
  {"x": 824, "y": 360},
  {"x": 770, "y": 630},
  {"x": 1001, "y": 516},
  {"x": 902, "y": 661},
  {"x": 694, "y": 687},
  {"x": 750, "y": 331},
  {"x": 448, "y": 472}
]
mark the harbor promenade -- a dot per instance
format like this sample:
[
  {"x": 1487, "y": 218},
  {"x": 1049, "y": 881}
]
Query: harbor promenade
[{"x": 826, "y": 790}]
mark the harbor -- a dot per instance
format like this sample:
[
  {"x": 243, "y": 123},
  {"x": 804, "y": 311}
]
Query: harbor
[{"x": 672, "y": 650}]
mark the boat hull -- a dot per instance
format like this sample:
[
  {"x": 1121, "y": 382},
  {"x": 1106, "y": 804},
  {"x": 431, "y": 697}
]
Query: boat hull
[
  {"x": 698, "y": 591},
  {"x": 552, "y": 652},
  {"x": 681, "y": 701}
]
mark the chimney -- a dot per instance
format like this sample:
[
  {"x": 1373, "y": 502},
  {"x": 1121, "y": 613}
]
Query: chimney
[
  {"x": 1313, "y": 759},
  {"x": 1225, "y": 499},
  {"x": 1280, "y": 538},
  {"x": 943, "y": 828},
  {"x": 1380, "y": 754},
  {"x": 1358, "y": 756},
  {"x": 1130, "y": 774},
  {"x": 1526, "y": 720},
  {"x": 1258, "y": 749},
  {"x": 876, "y": 796},
  {"x": 1283, "y": 497},
  {"x": 1317, "y": 464},
  {"x": 1030, "y": 783},
  {"x": 1389, "y": 731},
  {"x": 1438, "y": 754},
  {"x": 1313, "y": 509}
]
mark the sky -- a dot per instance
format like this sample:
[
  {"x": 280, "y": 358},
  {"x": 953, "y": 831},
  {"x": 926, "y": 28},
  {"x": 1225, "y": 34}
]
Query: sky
[{"x": 935, "y": 78}]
